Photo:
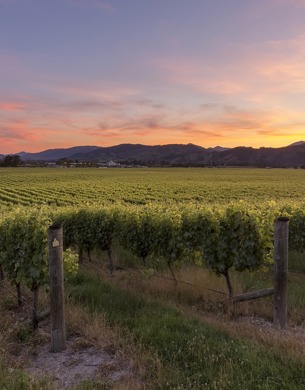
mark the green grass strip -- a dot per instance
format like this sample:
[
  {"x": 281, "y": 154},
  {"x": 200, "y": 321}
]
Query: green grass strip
[
  {"x": 16, "y": 379},
  {"x": 198, "y": 355}
]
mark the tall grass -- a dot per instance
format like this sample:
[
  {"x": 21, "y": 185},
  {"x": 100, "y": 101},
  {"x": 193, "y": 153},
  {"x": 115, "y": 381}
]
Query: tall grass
[
  {"x": 198, "y": 291},
  {"x": 197, "y": 355}
]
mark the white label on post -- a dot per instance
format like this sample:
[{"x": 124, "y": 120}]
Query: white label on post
[{"x": 55, "y": 243}]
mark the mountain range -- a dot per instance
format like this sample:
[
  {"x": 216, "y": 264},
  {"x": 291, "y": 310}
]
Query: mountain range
[{"x": 178, "y": 154}]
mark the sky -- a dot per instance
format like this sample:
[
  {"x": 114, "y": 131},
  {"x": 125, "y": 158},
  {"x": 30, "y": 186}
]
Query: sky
[{"x": 154, "y": 72}]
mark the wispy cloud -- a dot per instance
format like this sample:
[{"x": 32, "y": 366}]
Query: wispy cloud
[
  {"x": 26, "y": 135},
  {"x": 265, "y": 71},
  {"x": 199, "y": 76},
  {"x": 24, "y": 129},
  {"x": 92, "y": 89},
  {"x": 144, "y": 102},
  {"x": 19, "y": 131},
  {"x": 105, "y": 134},
  {"x": 290, "y": 3},
  {"x": 280, "y": 65},
  {"x": 93, "y": 105},
  {"x": 76, "y": 114},
  {"x": 11, "y": 106}
]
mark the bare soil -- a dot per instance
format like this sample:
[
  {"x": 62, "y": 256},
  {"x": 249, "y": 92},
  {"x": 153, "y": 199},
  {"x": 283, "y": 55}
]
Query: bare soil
[
  {"x": 79, "y": 362},
  {"x": 92, "y": 351}
]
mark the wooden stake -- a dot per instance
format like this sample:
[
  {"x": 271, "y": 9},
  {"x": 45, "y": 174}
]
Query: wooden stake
[
  {"x": 56, "y": 274},
  {"x": 266, "y": 292},
  {"x": 281, "y": 271}
]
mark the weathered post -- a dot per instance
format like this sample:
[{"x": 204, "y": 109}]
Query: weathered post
[
  {"x": 56, "y": 274},
  {"x": 281, "y": 271}
]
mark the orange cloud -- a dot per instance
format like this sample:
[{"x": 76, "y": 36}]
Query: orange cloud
[
  {"x": 34, "y": 124},
  {"x": 18, "y": 130},
  {"x": 22, "y": 135}
]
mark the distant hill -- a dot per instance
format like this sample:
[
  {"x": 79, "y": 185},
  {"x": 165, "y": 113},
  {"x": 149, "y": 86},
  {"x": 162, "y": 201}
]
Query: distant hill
[
  {"x": 179, "y": 154},
  {"x": 56, "y": 154},
  {"x": 165, "y": 154},
  {"x": 217, "y": 149},
  {"x": 289, "y": 156},
  {"x": 297, "y": 143}
]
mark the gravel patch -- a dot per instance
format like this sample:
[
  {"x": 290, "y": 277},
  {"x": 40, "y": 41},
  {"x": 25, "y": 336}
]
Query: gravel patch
[{"x": 75, "y": 365}]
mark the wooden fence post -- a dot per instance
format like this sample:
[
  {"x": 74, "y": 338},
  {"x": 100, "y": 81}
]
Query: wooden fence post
[
  {"x": 56, "y": 274},
  {"x": 281, "y": 271}
]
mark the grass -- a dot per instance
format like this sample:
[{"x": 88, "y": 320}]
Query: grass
[
  {"x": 297, "y": 262},
  {"x": 199, "y": 295},
  {"x": 19, "y": 343},
  {"x": 194, "y": 355},
  {"x": 173, "y": 336},
  {"x": 16, "y": 379}
]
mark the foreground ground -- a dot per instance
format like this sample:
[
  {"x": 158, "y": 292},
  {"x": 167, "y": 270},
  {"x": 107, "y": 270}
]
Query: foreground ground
[{"x": 134, "y": 332}]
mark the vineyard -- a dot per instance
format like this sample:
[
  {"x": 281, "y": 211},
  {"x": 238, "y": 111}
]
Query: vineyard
[
  {"x": 221, "y": 220},
  {"x": 60, "y": 187},
  {"x": 173, "y": 216}
]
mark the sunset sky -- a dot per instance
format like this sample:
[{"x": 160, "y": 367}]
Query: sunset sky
[{"x": 95, "y": 72}]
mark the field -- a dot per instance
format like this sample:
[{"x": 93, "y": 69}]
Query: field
[
  {"x": 151, "y": 226},
  {"x": 51, "y": 186}
]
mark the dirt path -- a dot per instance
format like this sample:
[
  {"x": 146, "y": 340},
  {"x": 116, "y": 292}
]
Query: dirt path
[{"x": 76, "y": 364}]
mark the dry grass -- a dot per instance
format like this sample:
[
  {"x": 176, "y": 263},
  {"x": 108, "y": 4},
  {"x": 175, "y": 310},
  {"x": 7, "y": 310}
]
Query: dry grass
[
  {"x": 248, "y": 320},
  {"x": 19, "y": 344},
  {"x": 196, "y": 287},
  {"x": 92, "y": 329},
  {"x": 180, "y": 339}
]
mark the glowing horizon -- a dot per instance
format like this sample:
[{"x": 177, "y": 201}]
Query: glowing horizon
[{"x": 93, "y": 72}]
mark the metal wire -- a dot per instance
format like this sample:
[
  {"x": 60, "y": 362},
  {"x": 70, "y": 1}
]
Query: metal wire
[{"x": 174, "y": 280}]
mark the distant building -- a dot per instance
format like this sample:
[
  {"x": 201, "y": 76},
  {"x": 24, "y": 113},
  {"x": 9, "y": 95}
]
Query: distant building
[{"x": 112, "y": 164}]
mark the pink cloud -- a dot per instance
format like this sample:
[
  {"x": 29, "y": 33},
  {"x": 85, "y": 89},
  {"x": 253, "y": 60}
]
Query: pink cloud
[
  {"x": 20, "y": 130},
  {"x": 108, "y": 134},
  {"x": 11, "y": 106},
  {"x": 265, "y": 71},
  {"x": 203, "y": 126},
  {"x": 200, "y": 76},
  {"x": 94, "y": 105},
  {"x": 96, "y": 120},
  {"x": 282, "y": 62},
  {"x": 289, "y": 3},
  {"x": 23, "y": 135}
]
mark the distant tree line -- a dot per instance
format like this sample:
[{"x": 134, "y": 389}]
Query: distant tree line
[{"x": 11, "y": 161}]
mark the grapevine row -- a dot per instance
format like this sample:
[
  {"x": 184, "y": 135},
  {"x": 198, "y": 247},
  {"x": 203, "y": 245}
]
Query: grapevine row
[
  {"x": 222, "y": 238},
  {"x": 146, "y": 186},
  {"x": 23, "y": 252}
]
